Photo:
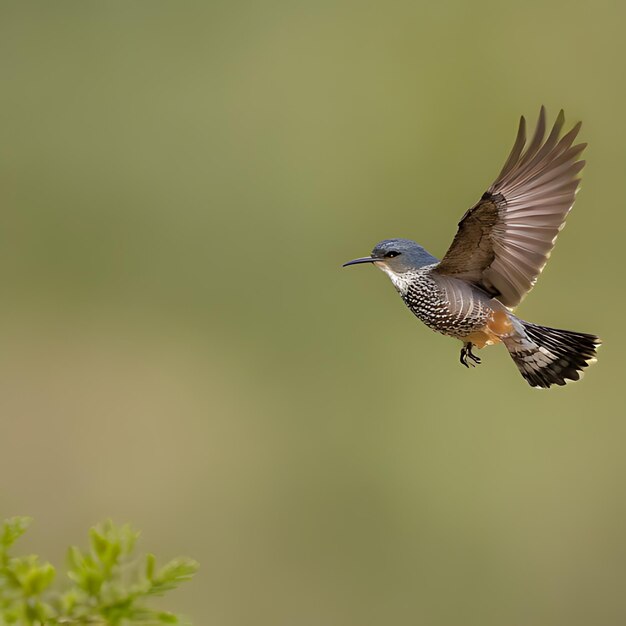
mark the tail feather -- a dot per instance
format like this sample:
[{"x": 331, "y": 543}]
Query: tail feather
[{"x": 550, "y": 356}]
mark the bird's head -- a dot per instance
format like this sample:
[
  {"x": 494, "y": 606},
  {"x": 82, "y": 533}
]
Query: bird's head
[{"x": 397, "y": 256}]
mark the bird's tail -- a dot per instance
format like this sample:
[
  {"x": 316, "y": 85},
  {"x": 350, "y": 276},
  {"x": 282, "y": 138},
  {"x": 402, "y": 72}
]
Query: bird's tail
[{"x": 549, "y": 356}]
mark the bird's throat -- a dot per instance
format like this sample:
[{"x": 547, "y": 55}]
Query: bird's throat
[{"x": 400, "y": 281}]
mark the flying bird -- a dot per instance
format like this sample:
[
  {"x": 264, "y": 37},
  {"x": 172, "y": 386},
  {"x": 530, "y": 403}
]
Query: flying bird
[{"x": 501, "y": 246}]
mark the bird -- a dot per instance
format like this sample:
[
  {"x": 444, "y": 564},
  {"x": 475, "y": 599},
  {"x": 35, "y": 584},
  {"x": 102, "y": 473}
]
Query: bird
[{"x": 501, "y": 246}]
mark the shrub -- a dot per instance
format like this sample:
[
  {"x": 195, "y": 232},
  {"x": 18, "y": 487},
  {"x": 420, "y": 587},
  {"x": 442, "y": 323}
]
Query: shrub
[{"x": 104, "y": 585}]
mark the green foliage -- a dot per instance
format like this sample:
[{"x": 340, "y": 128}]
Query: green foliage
[{"x": 108, "y": 586}]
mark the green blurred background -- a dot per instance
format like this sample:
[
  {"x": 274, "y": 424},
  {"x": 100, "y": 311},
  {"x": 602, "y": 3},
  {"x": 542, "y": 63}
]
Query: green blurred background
[{"x": 180, "y": 348}]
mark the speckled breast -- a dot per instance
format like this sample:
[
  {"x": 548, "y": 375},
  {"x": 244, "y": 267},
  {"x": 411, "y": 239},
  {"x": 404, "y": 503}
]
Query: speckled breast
[{"x": 448, "y": 305}]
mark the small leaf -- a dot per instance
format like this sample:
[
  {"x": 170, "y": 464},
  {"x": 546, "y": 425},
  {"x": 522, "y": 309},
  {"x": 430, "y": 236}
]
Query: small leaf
[
  {"x": 99, "y": 544},
  {"x": 38, "y": 612},
  {"x": 168, "y": 618},
  {"x": 173, "y": 574},
  {"x": 75, "y": 558},
  {"x": 150, "y": 565},
  {"x": 13, "y": 529},
  {"x": 69, "y": 600},
  {"x": 38, "y": 579}
]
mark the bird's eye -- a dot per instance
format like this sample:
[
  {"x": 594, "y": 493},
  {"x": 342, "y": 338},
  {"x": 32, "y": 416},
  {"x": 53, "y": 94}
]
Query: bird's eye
[{"x": 391, "y": 254}]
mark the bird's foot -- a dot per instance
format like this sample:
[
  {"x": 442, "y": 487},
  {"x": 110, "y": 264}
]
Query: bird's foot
[
  {"x": 471, "y": 355},
  {"x": 466, "y": 352}
]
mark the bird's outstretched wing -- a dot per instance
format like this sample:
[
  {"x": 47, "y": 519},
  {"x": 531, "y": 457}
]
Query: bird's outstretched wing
[{"x": 504, "y": 241}]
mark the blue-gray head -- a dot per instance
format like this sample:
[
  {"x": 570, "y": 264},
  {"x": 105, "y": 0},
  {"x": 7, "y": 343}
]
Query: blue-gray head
[{"x": 397, "y": 256}]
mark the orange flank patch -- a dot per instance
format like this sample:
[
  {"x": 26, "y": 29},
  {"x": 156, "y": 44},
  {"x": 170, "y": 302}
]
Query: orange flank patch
[
  {"x": 498, "y": 326},
  {"x": 500, "y": 323}
]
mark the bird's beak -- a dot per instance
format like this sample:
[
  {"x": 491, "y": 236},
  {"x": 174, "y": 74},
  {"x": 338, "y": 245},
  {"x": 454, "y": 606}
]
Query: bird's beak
[{"x": 365, "y": 259}]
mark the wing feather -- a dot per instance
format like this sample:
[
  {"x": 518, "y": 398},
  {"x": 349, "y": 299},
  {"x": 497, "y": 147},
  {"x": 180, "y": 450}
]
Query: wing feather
[{"x": 504, "y": 241}]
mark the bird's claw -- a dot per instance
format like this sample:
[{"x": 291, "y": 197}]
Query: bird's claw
[{"x": 466, "y": 351}]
